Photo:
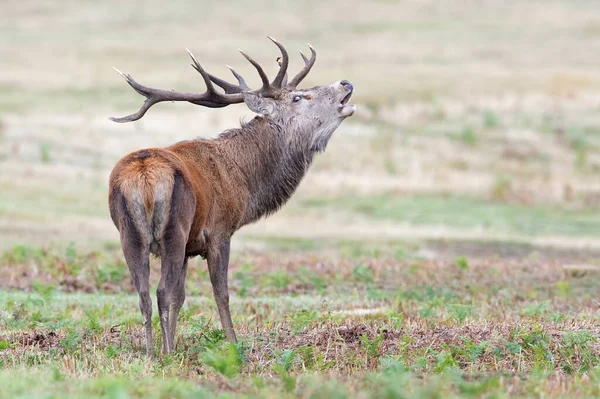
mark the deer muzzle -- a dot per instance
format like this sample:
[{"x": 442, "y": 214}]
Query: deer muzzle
[{"x": 346, "y": 109}]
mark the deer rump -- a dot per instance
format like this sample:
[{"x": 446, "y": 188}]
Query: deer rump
[{"x": 151, "y": 196}]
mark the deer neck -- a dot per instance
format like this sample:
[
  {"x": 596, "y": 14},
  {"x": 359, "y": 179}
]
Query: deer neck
[{"x": 270, "y": 164}]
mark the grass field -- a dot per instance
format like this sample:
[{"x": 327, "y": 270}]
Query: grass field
[
  {"x": 369, "y": 323},
  {"x": 447, "y": 244}
]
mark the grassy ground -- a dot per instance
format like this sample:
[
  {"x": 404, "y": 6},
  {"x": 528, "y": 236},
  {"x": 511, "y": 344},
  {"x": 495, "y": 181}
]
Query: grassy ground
[
  {"x": 446, "y": 244},
  {"x": 386, "y": 324}
]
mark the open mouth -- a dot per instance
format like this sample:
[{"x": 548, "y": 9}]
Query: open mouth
[
  {"x": 344, "y": 108},
  {"x": 346, "y": 99}
]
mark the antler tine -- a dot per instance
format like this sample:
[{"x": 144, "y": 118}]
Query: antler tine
[
  {"x": 266, "y": 86},
  {"x": 306, "y": 61},
  {"x": 308, "y": 64},
  {"x": 239, "y": 78},
  {"x": 135, "y": 116},
  {"x": 283, "y": 64},
  {"x": 285, "y": 76},
  {"x": 134, "y": 85},
  {"x": 151, "y": 99},
  {"x": 196, "y": 65},
  {"x": 228, "y": 87}
]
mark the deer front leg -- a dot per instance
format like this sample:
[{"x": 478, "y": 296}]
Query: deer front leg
[{"x": 218, "y": 263}]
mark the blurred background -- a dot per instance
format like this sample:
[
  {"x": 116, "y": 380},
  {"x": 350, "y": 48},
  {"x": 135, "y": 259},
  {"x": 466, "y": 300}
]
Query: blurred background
[{"x": 476, "y": 120}]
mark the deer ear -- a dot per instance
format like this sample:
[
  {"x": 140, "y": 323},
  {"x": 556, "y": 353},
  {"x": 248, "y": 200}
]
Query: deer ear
[{"x": 259, "y": 104}]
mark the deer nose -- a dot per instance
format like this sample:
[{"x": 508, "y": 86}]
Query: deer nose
[{"x": 347, "y": 85}]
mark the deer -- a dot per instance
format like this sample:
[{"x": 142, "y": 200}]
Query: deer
[{"x": 189, "y": 199}]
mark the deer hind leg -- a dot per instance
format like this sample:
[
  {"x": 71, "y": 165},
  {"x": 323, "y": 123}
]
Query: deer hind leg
[
  {"x": 138, "y": 261},
  {"x": 171, "y": 287},
  {"x": 171, "y": 291},
  {"x": 178, "y": 297},
  {"x": 218, "y": 263},
  {"x": 136, "y": 250},
  {"x": 137, "y": 256}
]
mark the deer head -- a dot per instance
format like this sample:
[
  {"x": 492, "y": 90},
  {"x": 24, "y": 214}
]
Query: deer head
[{"x": 308, "y": 116}]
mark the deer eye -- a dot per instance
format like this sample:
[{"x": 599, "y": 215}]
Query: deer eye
[{"x": 296, "y": 99}]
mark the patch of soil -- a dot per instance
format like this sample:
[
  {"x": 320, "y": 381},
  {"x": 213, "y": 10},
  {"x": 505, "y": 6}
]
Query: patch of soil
[
  {"x": 40, "y": 340},
  {"x": 72, "y": 284}
]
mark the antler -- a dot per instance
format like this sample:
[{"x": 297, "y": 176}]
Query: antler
[
  {"x": 211, "y": 97},
  {"x": 308, "y": 64},
  {"x": 267, "y": 89}
]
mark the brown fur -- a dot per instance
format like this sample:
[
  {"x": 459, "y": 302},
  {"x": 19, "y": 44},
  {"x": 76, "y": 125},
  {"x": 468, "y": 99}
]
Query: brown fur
[{"x": 142, "y": 177}]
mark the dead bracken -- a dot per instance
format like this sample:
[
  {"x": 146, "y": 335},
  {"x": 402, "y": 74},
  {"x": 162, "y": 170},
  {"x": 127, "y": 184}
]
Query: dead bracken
[{"x": 38, "y": 340}]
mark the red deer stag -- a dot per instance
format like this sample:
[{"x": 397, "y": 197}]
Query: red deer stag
[{"x": 188, "y": 199}]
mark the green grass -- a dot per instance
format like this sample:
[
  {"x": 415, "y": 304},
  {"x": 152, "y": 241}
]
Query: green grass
[
  {"x": 308, "y": 326},
  {"x": 468, "y": 213}
]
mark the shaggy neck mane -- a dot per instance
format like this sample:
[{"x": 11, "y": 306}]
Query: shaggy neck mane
[{"x": 272, "y": 166}]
